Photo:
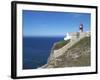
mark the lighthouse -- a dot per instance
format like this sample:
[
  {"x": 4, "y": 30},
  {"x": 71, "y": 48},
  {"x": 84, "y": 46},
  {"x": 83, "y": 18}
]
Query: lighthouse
[
  {"x": 81, "y": 28},
  {"x": 76, "y": 35}
]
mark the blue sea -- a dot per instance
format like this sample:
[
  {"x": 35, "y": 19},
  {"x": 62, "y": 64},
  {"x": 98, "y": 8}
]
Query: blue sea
[{"x": 36, "y": 50}]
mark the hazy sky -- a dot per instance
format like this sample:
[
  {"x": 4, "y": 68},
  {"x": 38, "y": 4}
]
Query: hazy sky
[{"x": 43, "y": 23}]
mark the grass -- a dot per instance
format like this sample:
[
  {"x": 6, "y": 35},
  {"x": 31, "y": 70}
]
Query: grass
[
  {"x": 83, "y": 42},
  {"x": 60, "y": 44},
  {"x": 84, "y": 60}
]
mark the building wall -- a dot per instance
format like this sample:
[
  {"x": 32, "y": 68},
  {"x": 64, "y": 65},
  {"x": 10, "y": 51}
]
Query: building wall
[{"x": 78, "y": 35}]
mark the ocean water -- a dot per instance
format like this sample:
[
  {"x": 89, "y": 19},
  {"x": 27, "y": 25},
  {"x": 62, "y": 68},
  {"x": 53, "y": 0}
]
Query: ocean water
[{"x": 36, "y": 50}]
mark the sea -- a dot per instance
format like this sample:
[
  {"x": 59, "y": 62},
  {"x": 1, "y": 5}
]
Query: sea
[{"x": 36, "y": 50}]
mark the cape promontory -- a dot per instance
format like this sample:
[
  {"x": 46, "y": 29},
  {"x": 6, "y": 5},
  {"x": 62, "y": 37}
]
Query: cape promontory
[{"x": 73, "y": 52}]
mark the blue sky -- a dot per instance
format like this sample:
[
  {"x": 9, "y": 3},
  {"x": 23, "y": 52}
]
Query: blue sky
[{"x": 46, "y": 23}]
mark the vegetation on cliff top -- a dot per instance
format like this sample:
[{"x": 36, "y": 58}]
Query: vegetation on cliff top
[
  {"x": 82, "y": 43},
  {"x": 60, "y": 44}
]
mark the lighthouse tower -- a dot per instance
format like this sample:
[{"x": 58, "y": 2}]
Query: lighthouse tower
[{"x": 81, "y": 28}]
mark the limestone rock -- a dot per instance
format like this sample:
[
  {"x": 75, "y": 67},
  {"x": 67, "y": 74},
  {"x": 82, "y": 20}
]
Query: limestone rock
[{"x": 75, "y": 54}]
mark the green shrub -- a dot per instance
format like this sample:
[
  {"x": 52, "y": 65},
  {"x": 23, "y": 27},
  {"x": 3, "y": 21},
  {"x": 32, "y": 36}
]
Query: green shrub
[{"x": 60, "y": 44}]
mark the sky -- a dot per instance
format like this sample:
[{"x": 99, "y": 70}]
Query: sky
[{"x": 47, "y": 23}]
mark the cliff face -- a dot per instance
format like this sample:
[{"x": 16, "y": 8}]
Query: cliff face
[{"x": 78, "y": 54}]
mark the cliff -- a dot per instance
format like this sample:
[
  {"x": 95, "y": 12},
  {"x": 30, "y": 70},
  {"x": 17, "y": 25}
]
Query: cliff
[{"x": 70, "y": 54}]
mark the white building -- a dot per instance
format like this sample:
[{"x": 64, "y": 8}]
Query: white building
[{"x": 67, "y": 37}]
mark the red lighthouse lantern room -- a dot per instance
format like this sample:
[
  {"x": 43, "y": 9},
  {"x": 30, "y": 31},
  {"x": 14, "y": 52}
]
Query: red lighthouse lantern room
[{"x": 81, "y": 27}]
